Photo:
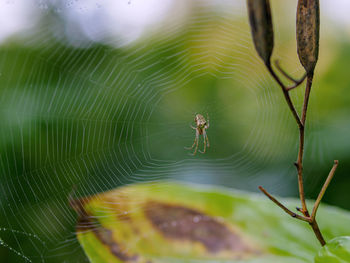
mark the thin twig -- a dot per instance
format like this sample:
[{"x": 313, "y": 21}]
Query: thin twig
[
  {"x": 297, "y": 82},
  {"x": 324, "y": 188},
  {"x": 299, "y": 166},
  {"x": 292, "y": 214},
  {"x": 299, "y": 163},
  {"x": 307, "y": 96},
  {"x": 301, "y": 123},
  {"x": 286, "y": 95}
]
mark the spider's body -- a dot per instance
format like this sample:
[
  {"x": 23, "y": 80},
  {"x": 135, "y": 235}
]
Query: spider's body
[{"x": 201, "y": 125}]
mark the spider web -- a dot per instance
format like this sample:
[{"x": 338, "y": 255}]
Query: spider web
[{"x": 84, "y": 117}]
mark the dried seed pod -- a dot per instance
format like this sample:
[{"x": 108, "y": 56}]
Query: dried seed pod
[
  {"x": 308, "y": 33},
  {"x": 261, "y": 26}
]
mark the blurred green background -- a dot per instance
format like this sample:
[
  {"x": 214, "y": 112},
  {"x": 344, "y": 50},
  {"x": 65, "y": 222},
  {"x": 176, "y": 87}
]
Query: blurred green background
[{"x": 94, "y": 95}]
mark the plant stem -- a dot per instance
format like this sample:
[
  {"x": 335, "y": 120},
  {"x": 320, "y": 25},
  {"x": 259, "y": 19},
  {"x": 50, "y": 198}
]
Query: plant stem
[
  {"x": 317, "y": 232},
  {"x": 297, "y": 82},
  {"x": 307, "y": 96},
  {"x": 299, "y": 163},
  {"x": 286, "y": 95},
  {"x": 301, "y": 122},
  {"x": 278, "y": 203},
  {"x": 324, "y": 188}
]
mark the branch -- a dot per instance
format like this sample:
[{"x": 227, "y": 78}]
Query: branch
[
  {"x": 317, "y": 232},
  {"x": 286, "y": 95},
  {"x": 297, "y": 82},
  {"x": 299, "y": 163},
  {"x": 324, "y": 188},
  {"x": 285, "y": 209},
  {"x": 306, "y": 98}
]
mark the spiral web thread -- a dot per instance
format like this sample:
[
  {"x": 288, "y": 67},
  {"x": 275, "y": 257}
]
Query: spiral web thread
[{"x": 79, "y": 121}]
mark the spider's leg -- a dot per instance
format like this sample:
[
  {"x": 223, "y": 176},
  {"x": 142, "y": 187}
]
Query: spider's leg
[
  {"x": 193, "y": 127},
  {"x": 208, "y": 145},
  {"x": 205, "y": 138},
  {"x": 196, "y": 141}
]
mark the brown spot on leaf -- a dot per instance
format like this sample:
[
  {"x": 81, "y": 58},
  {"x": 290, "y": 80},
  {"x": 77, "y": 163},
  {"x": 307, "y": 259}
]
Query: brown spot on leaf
[
  {"x": 106, "y": 237},
  {"x": 182, "y": 223},
  {"x": 86, "y": 222}
]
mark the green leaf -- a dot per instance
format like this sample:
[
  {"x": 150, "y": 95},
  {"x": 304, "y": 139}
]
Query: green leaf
[
  {"x": 172, "y": 222},
  {"x": 336, "y": 251}
]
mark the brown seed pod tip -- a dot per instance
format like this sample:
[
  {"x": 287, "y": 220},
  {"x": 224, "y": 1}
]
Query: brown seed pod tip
[
  {"x": 307, "y": 33},
  {"x": 261, "y": 27}
]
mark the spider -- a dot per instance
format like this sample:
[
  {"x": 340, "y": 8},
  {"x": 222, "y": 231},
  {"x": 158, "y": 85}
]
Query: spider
[{"x": 202, "y": 125}]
